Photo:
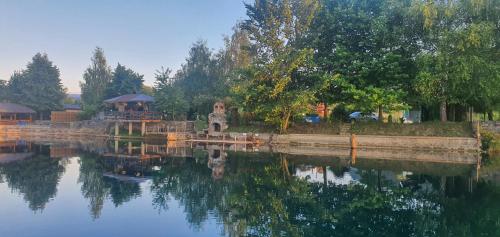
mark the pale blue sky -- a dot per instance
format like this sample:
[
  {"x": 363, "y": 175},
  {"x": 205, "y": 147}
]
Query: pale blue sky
[{"x": 143, "y": 35}]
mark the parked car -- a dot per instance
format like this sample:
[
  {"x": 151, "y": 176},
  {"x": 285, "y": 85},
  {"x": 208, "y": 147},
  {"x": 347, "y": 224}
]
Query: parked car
[
  {"x": 312, "y": 118},
  {"x": 360, "y": 116}
]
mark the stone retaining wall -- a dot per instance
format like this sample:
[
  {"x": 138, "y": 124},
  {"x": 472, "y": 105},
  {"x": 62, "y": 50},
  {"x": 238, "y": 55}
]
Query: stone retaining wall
[
  {"x": 48, "y": 131},
  {"x": 491, "y": 126},
  {"x": 372, "y": 141}
]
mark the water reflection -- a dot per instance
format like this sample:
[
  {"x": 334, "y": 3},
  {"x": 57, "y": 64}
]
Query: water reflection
[
  {"x": 266, "y": 194},
  {"x": 30, "y": 171}
]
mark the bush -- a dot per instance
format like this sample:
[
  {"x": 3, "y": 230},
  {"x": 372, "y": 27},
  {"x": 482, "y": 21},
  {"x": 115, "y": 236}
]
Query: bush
[{"x": 340, "y": 113}]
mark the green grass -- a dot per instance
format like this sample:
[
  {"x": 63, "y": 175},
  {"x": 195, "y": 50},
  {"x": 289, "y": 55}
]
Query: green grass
[
  {"x": 199, "y": 125},
  {"x": 491, "y": 142},
  {"x": 437, "y": 129},
  {"x": 319, "y": 128}
]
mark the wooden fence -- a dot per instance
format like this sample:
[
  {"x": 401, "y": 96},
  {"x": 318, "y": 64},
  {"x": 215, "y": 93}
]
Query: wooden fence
[{"x": 64, "y": 117}]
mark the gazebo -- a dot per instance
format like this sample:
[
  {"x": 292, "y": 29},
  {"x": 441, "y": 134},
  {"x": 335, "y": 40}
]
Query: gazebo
[
  {"x": 131, "y": 108},
  {"x": 11, "y": 114},
  {"x": 136, "y": 107}
]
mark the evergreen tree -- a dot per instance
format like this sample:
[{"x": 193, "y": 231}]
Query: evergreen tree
[
  {"x": 3, "y": 91},
  {"x": 124, "y": 81},
  {"x": 38, "y": 86},
  {"x": 168, "y": 98},
  {"x": 201, "y": 79},
  {"x": 95, "y": 82}
]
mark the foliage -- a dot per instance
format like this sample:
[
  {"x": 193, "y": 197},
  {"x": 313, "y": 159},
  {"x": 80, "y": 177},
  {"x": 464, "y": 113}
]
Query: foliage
[
  {"x": 35, "y": 178},
  {"x": 95, "y": 82},
  {"x": 4, "y": 90},
  {"x": 459, "y": 61},
  {"x": 201, "y": 80},
  {"x": 276, "y": 85},
  {"x": 169, "y": 98},
  {"x": 340, "y": 113},
  {"x": 124, "y": 81},
  {"x": 365, "y": 49},
  {"x": 38, "y": 86}
]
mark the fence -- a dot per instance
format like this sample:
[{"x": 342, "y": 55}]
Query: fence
[
  {"x": 132, "y": 115},
  {"x": 63, "y": 117}
]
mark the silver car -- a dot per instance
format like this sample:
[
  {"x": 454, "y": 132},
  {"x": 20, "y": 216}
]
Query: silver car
[{"x": 360, "y": 116}]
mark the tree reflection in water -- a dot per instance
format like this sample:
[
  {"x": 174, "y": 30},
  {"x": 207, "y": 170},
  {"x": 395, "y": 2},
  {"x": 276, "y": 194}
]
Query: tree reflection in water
[
  {"x": 35, "y": 178},
  {"x": 264, "y": 194},
  {"x": 96, "y": 187},
  {"x": 259, "y": 196}
]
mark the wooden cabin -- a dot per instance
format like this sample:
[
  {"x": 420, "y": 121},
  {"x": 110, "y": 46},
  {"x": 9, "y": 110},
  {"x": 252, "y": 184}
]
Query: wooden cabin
[{"x": 12, "y": 114}]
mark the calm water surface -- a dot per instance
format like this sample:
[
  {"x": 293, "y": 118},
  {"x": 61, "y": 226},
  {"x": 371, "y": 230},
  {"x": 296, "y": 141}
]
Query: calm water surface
[{"x": 99, "y": 190}]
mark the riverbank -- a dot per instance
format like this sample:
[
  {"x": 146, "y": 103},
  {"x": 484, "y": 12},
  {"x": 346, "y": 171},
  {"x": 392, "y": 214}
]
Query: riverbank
[
  {"x": 374, "y": 141},
  {"x": 346, "y": 139}
]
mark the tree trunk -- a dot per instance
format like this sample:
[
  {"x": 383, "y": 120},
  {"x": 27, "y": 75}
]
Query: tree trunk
[
  {"x": 285, "y": 121},
  {"x": 490, "y": 115},
  {"x": 442, "y": 111},
  {"x": 453, "y": 118},
  {"x": 380, "y": 114}
]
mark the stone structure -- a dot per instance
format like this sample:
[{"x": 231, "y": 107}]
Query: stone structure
[
  {"x": 217, "y": 122},
  {"x": 216, "y": 161},
  {"x": 491, "y": 126}
]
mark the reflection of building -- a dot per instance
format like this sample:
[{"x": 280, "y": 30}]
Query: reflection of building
[
  {"x": 11, "y": 151},
  {"x": 216, "y": 160},
  {"x": 217, "y": 120}
]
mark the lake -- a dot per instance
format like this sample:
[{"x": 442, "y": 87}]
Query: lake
[{"x": 99, "y": 188}]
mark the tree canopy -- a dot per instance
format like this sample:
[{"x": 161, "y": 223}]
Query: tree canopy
[
  {"x": 124, "y": 81},
  {"x": 95, "y": 82},
  {"x": 38, "y": 86}
]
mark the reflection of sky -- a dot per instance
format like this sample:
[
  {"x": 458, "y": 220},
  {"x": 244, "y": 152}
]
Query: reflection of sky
[
  {"x": 315, "y": 175},
  {"x": 68, "y": 214}
]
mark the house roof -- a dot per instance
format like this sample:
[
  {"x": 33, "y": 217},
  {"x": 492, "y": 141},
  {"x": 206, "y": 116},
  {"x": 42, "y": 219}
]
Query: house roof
[
  {"x": 15, "y": 109},
  {"x": 72, "y": 107},
  {"x": 130, "y": 98}
]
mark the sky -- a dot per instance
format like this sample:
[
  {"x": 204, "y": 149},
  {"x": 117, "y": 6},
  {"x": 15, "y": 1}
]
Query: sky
[{"x": 142, "y": 35}]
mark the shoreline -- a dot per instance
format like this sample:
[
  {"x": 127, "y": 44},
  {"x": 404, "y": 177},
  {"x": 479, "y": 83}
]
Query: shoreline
[{"x": 303, "y": 140}]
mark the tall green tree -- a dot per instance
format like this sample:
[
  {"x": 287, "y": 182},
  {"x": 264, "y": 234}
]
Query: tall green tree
[
  {"x": 95, "y": 82},
  {"x": 124, "y": 81},
  {"x": 365, "y": 49},
  {"x": 169, "y": 98},
  {"x": 38, "y": 86},
  {"x": 3, "y": 90},
  {"x": 200, "y": 79},
  {"x": 459, "y": 61},
  {"x": 276, "y": 86}
]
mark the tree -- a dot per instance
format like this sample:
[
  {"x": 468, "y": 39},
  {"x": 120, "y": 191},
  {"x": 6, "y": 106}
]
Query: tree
[
  {"x": 459, "y": 60},
  {"x": 35, "y": 178},
  {"x": 201, "y": 79},
  {"x": 95, "y": 82},
  {"x": 169, "y": 98},
  {"x": 3, "y": 90},
  {"x": 38, "y": 86},
  {"x": 277, "y": 85},
  {"x": 124, "y": 81},
  {"x": 365, "y": 51}
]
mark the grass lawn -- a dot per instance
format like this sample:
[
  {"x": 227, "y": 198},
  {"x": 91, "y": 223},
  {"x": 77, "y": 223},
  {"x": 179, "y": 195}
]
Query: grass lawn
[
  {"x": 437, "y": 129},
  {"x": 448, "y": 129}
]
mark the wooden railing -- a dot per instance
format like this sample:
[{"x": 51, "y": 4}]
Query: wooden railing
[{"x": 132, "y": 115}]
